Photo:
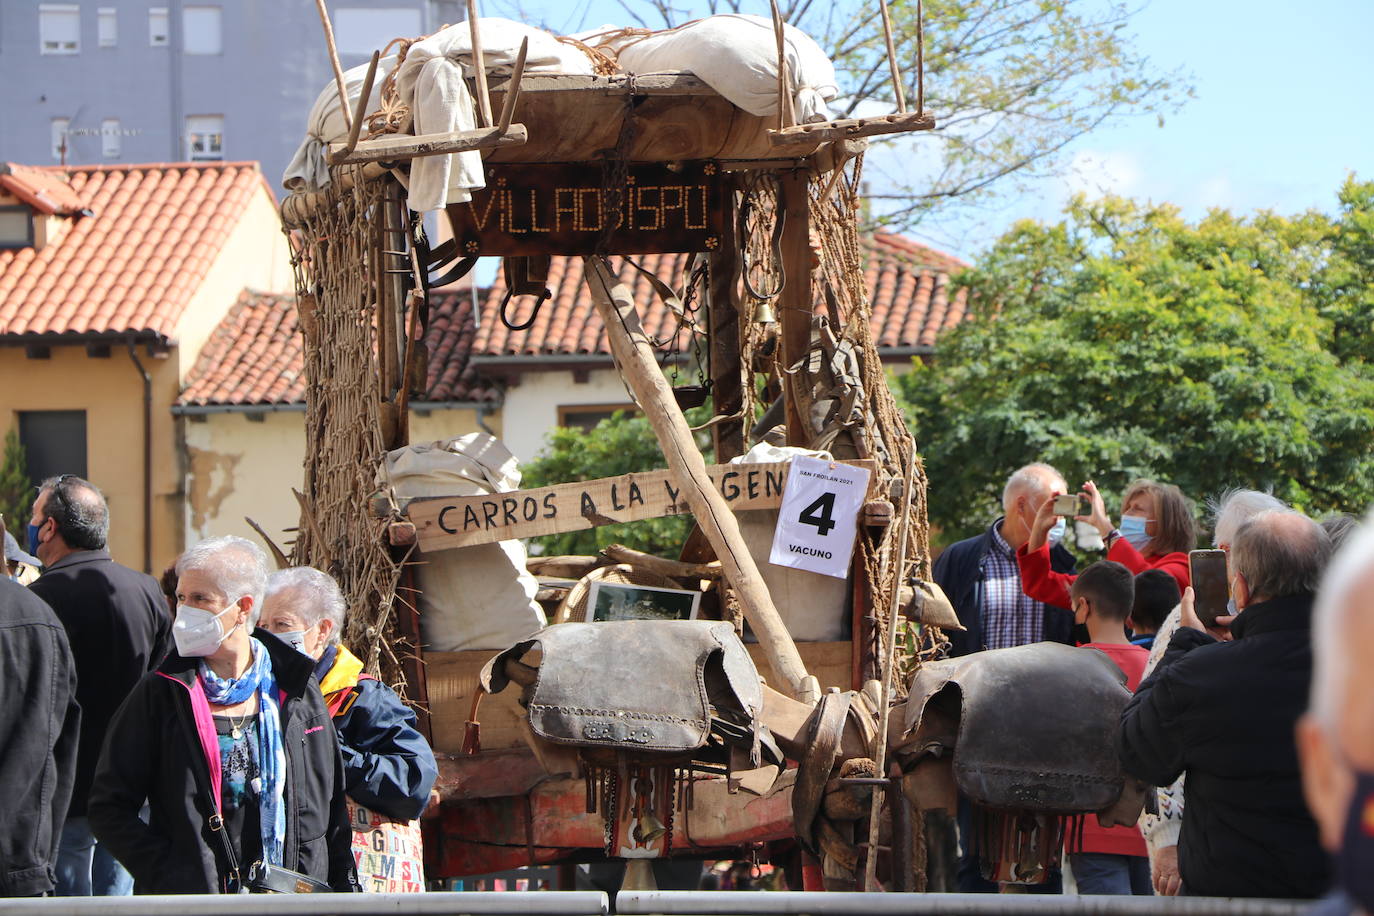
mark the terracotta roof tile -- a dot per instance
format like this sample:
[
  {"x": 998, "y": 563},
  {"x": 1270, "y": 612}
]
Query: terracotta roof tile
[
  {"x": 907, "y": 285},
  {"x": 255, "y": 355},
  {"x": 133, "y": 264}
]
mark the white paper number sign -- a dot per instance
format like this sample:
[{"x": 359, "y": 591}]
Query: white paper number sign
[{"x": 819, "y": 516}]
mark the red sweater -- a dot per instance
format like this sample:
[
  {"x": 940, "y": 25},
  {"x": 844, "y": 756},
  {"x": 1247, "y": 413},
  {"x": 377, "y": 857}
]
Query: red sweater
[
  {"x": 1120, "y": 841},
  {"x": 1042, "y": 583}
]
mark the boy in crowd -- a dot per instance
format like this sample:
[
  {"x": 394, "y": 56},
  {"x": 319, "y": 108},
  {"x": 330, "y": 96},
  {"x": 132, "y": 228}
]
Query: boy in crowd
[
  {"x": 1110, "y": 860},
  {"x": 1156, "y": 595}
]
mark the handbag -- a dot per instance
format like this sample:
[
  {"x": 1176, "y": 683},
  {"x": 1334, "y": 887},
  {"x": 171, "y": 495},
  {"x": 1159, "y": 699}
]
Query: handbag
[{"x": 273, "y": 879}]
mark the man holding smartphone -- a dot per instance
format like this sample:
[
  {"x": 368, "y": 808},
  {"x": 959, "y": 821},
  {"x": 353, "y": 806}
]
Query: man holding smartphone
[{"x": 1224, "y": 711}]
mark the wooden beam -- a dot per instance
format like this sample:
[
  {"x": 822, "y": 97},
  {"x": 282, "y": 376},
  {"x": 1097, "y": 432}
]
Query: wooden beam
[
  {"x": 635, "y": 354},
  {"x": 728, "y": 375},
  {"x": 796, "y": 299},
  {"x": 407, "y": 146},
  {"x": 851, "y": 128}
]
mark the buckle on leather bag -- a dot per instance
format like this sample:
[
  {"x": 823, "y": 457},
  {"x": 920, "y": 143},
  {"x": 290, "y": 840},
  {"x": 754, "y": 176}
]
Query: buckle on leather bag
[{"x": 216, "y": 822}]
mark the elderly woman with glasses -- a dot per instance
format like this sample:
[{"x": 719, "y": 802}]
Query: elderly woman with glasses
[
  {"x": 388, "y": 766},
  {"x": 231, "y": 744}
]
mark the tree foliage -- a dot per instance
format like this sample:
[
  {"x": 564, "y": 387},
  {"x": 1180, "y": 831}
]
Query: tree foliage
[
  {"x": 620, "y": 445},
  {"x": 1011, "y": 83},
  {"x": 16, "y": 492},
  {"x": 1125, "y": 341}
]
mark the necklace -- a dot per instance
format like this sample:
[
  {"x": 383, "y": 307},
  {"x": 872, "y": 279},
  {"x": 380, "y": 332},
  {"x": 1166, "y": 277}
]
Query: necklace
[{"x": 236, "y": 728}]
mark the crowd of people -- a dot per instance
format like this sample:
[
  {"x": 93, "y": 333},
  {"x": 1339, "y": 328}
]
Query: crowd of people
[
  {"x": 209, "y": 741},
  {"x": 1220, "y": 718}
]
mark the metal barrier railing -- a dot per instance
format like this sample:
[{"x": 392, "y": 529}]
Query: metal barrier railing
[
  {"x": 799, "y": 903},
  {"x": 470, "y": 903}
]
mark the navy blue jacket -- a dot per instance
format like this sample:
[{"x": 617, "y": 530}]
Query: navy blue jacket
[
  {"x": 388, "y": 765},
  {"x": 960, "y": 572}
]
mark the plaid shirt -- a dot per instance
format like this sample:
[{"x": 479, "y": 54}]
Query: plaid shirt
[{"x": 1009, "y": 617}]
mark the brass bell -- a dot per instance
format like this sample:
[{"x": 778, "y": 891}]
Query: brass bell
[
  {"x": 648, "y": 828},
  {"x": 763, "y": 313}
]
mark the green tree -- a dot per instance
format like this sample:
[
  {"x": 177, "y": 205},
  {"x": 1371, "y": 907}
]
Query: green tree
[
  {"x": 16, "y": 492},
  {"x": 1011, "y": 84},
  {"x": 1125, "y": 341},
  {"x": 620, "y": 445}
]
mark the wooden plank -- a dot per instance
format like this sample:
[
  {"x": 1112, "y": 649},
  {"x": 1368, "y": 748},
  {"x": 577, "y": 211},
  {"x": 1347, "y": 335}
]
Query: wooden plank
[
  {"x": 850, "y": 128},
  {"x": 559, "y": 209},
  {"x": 464, "y": 521},
  {"x": 408, "y": 146},
  {"x": 796, "y": 299},
  {"x": 723, "y": 317}
]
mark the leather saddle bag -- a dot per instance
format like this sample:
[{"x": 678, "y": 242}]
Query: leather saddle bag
[{"x": 658, "y": 686}]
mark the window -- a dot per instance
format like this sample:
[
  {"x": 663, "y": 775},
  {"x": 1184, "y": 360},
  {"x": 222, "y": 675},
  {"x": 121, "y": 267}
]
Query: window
[
  {"x": 54, "y": 442},
  {"x": 16, "y": 227},
  {"x": 586, "y": 416},
  {"x": 107, "y": 27},
  {"x": 61, "y": 144},
  {"x": 59, "y": 28},
  {"x": 158, "y": 28},
  {"x": 362, "y": 31},
  {"x": 205, "y": 138},
  {"x": 201, "y": 30},
  {"x": 109, "y": 138}
]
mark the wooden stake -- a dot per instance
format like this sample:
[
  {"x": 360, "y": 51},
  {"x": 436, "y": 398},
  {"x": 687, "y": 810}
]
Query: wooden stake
[
  {"x": 920, "y": 59},
  {"x": 338, "y": 67},
  {"x": 786, "y": 115},
  {"x": 890, "y": 652},
  {"x": 479, "y": 65},
  {"x": 635, "y": 356},
  {"x": 892, "y": 58},
  {"x": 795, "y": 301},
  {"x": 513, "y": 87}
]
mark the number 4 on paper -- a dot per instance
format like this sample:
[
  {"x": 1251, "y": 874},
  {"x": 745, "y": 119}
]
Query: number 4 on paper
[{"x": 819, "y": 516}]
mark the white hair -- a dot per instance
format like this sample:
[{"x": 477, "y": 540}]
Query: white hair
[
  {"x": 1332, "y": 649},
  {"x": 1236, "y": 506},
  {"x": 237, "y": 566},
  {"x": 1037, "y": 479},
  {"x": 317, "y": 595}
]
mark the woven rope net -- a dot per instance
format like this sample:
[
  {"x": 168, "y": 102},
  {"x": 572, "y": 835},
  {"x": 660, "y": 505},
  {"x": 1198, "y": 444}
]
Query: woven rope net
[{"x": 336, "y": 278}]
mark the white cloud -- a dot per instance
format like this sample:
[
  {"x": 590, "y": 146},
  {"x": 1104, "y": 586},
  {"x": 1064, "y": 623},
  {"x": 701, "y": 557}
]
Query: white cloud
[{"x": 1098, "y": 172}]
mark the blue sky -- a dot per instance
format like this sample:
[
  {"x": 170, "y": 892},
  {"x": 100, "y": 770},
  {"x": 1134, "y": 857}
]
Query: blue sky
[{"x": 1282, "y": 111}]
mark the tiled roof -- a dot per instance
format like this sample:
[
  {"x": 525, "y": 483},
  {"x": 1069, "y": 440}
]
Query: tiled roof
[
  {"x": 908, "y": 287},
  {"x": 255, "y": 356},
  {"x": 134, "y": 264}
]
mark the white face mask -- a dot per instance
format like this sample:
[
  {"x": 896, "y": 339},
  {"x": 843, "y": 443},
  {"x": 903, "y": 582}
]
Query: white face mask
[
  {"x": 295, "y": 639},
  {"x": 198, "y": 632}
]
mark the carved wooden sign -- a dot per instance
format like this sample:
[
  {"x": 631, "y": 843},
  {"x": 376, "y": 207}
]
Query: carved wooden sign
[
  {"x": 464, "y": 521},
  {"x": 561, "y": 209}
]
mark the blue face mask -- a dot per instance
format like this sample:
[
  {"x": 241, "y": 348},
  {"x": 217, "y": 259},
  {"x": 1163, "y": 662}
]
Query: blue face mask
[
  {"x": 33, "y": 538},
  {"x": 1056, "y": 533},
  {"x": 1133, "y": 530}
]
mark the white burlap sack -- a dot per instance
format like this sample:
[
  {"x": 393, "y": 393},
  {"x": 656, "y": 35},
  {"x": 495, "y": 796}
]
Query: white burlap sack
[
  {"x": 812, "y": 606},
  {"x": 737, "y": 56},
  {"x": 431, "y": 82},
  {"x": 308, "y": 170},
  {"x": 470, "y": 597}
]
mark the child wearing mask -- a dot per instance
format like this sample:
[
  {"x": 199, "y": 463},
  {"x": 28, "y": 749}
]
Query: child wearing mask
[{"x": 1110, "y": 860}]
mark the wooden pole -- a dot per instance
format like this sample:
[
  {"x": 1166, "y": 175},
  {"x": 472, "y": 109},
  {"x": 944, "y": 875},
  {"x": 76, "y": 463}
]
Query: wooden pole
[
  {"x": 796, "y": 298},
  {"x": 513, "y": 87},
  {"x": 479, "y": 66},
  {"x": 890, "y": 653},
  {"x": 635, "y": 355},
  {"x": 920, "y": 59},
  {"x": 786, "y": 116},
  {"x": 723, "y": 319},
  {"x": 338, "y": 67},
  {"x": 892, "y": 59}
]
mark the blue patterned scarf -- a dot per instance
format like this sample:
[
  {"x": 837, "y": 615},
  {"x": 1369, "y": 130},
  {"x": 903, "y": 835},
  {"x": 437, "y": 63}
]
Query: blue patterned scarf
[{"x": 271, "y": 754}]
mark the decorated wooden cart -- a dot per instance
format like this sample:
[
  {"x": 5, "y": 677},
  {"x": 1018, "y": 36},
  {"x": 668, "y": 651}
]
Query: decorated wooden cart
[{"x": 610, "y": 165}]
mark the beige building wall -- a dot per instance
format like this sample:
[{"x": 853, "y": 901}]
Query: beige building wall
[
  {"x": 238, "y": 467},
  {"x": 530, "y": 411},
  {"x": 110, "y": 391}
]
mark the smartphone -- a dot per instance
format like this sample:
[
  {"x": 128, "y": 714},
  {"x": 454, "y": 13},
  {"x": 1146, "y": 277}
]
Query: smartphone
[
  {"x": 1211, "y": 587},
  {"x": 1072, "y": 504}
]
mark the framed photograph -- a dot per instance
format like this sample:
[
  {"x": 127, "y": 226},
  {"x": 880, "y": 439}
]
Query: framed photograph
[{"x": 612, "y": 601}]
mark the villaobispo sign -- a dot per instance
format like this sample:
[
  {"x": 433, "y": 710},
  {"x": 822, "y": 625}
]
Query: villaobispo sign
[
  {"x": 562, "y": 209},
  {"x": 464, "y": 521}
]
